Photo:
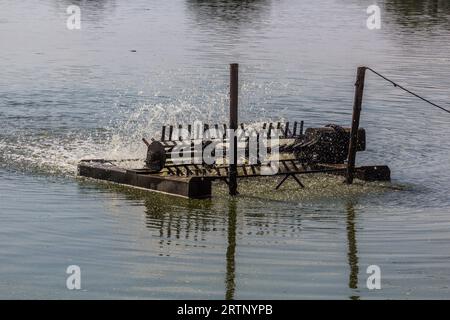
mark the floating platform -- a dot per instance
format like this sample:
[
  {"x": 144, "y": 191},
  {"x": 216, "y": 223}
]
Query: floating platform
[
  {"x": 176, "y": 163},
  {"x": 195, "y": 181},
  {"x": 195, "y": 187}
]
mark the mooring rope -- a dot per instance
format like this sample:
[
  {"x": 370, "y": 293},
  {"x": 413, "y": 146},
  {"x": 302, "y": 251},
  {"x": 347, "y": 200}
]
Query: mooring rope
[{"x": 410, "y": 92}]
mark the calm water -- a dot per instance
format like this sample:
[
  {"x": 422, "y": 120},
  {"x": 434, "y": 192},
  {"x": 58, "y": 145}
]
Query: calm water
[{"x": 67, "y": 95}]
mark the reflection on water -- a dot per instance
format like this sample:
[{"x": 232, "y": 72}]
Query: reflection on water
[
  {"x": 231, "y": 251},
  {"x": 92, "y": 11},
  {"x": 230, "y": 13},
  {"x": 419, "y": 14},
  {"x": 178, "y": 222},
  {"x": 352, "y": 249},
  {"x": 178, "y": 219},
  {"x": 89, "y": 6}
]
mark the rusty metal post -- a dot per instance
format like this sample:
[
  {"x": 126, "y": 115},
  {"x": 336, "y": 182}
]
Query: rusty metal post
[
  {"x": 234, "y": 90},
  {"x": 359, "y": 89}
]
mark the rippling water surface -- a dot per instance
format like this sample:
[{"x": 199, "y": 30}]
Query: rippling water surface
[{"x": 67, "y": 95}]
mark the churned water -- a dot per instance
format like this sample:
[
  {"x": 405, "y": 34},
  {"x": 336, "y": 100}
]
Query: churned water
[{"x": 66, "y": 95}]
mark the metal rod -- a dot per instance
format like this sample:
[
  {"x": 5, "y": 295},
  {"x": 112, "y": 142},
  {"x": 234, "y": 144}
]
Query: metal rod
[
  {"x": 359, "y": 89},
  {"x": 146, "y": 142},
  {"x": 247, "y": 148},
  {"x": 269, "y": 133},
  {"x": 234, "y": 90},
  {"x": 180, "y": 128},
  {"x": 170, "y": 133},
  {"x": 216, "y": 134},
  {"x": 298, "y": 181},
  {"x": 287, "y": 176},
  {"x": 205, "y": 129},
  {"x": 257, "y": 148},
  {"x": 281, "y": 182},
  {"x": 163, "y": 133}
]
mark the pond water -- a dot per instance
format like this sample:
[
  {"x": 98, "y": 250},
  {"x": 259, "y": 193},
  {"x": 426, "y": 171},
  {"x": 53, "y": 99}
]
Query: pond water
[{"x": 66, "y": 95}]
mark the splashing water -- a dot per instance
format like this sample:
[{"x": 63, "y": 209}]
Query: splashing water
[
  {"x": 117, "y": 131},
  {"x": 54, "y": 151},
  {"x": 58, "y": 153}
]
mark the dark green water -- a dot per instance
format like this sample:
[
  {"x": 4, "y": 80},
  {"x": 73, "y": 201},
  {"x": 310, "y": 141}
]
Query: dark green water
[{"x": 67, "y": 95}]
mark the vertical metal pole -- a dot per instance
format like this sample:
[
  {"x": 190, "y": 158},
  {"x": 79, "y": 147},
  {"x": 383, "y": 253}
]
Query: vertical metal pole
[
  {"x": 286, "y": 130},
  {"x": 232, "y": 172},
  {"x": 163, "y": 133},
  {"x": 359, "y": 89}
]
